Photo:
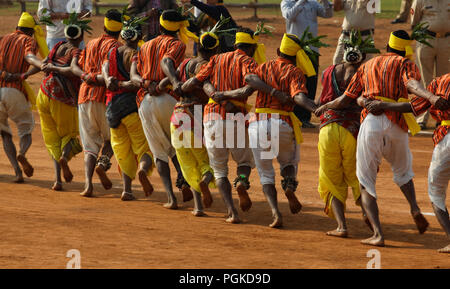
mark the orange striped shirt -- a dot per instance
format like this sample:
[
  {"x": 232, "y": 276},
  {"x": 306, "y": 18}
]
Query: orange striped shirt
[
  {"x": 226, "y": 72},
  {"x": 91, "y": 61},
  {"x": 152, "y": 53},
  {"x": 386, "y": 76},
  {"x": 439, "y": 87},
  {"x": 282, "y": 75},
  {"x": 13, "y": 49}
]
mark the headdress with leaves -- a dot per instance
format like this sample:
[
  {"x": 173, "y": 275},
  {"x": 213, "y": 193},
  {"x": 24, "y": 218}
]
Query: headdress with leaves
[
  {"x": 356, "y": 46},
  {"x": 132, "y": 26},
  {"x": 262, "y": 29},
  {"x": 45, "y": 19},
  {"x": 420, "y": 34},
  {"x": 74, "y": 21},
  {"x": 308, "y": 40}
]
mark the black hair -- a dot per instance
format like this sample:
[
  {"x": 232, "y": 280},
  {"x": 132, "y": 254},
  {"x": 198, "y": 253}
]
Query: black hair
[
  {"x": 114, "y": 14},
  {"x": 73, "y": 31},
  {"x": 26, "y": 30},
  {"x": 208, "y": 42},
  {"x": 402, "y": 34},
  {"x": 291, "y": 58},
  {"x": 112, "y": 33},
  {"x": 172, "y": 15}
]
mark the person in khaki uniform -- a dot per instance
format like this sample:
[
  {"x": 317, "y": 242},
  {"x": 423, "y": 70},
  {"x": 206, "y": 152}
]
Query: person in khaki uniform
[
  {"x": 405, "y": 9},
  {"x": 356, "y": 18},
  {"x": 432, "y": 61}
]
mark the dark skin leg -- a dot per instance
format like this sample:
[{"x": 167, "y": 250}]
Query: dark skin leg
[
  {"x": 89, "y": 166},
  {"x": 11, "y": 153},
  {"x": 206, "y": 193},
  {"x": 198, "y": 206},
  {"x": 101, "y": 172},
  {"x": 410, "y": 194},
  {"x": 271, "y": 194},
  {"x": 164, "y": 173},
  {"x": 127, "y": 194},
  {"x": 57, "y": 186},
  {"x": 144, "y": 166},
  {"x": 244, "y": 200},
  {"x": 444, "y": 221},
  {"x": 338, "y": 211},
  {"x": 24, "y": 145},
  {"x": 185, "y": 190},
  {"x": 224, "y": 186},
  {"x": 370, "y": 206},
  {"x": 63, "y": 162},
  {"x": 294, "y": 204}
]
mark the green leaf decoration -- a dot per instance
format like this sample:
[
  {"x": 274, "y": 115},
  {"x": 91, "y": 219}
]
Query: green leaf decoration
[
  {"x": 364, "y": 45},
  {"x": 420, "y": 34},
  {"x": 46, "y": 20}
]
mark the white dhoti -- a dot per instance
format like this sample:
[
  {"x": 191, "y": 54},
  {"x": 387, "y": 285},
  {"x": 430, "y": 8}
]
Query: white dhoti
[
  {"x": 379, "y": 137},
  {"x": 439, "y": 173},
  {"x": 94, "y": 129},
  {"x": 223, "y": 137},
  {"x": 267, "y": 144},
  {"x": 155, "y": 113},
  {"x": 14, "y": 105}
]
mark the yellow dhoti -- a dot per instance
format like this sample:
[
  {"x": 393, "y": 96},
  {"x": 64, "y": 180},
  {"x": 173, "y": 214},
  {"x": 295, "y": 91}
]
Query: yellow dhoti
[
  {"x": 194, "y": 162},
  {"x": 59, "y": 125},
  {"x": 337, "y": 172},
  {"x": 129, "y": 144}
]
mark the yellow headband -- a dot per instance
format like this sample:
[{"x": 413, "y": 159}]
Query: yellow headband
[
  {"x": 27, "y": 21},
  {"x": 180, "y": 26},
  {"x": 112, "y": 25},
  {"x": 213, "y": 36},
  {"x": 260, "y": 52},
  {"x": 401, "y": 45},
  {"x": 292, "y": 48}
]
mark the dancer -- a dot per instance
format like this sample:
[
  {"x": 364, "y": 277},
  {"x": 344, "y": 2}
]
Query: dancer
[
  {"x": 17, "y": 52},
  {"x": 155, "y": 60},
  {"x": 57, "y": 101},
  {"x": 94, "y": 130}
]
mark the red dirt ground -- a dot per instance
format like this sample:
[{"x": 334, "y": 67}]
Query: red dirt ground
[{"x": 39, "y": 226}]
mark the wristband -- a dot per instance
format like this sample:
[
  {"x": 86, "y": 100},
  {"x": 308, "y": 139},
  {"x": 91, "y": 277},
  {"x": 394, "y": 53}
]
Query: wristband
[{"x": 23, "y": 76}]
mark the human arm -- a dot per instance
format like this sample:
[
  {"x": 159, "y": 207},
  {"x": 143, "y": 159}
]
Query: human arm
[
  {"x": 302, "y": 100},
  {"x": 417, "y": 88},
  {"x": 168, "y": 67},
  {"x": 290, "y": 9},
  {"x": 210, "y": 10},
  {"x": 341, "y": 102},
  {"x": 240, "y": 94},
  {"x": 257, "y": 84}
]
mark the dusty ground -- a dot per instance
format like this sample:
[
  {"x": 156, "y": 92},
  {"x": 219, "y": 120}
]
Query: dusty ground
[{"x": 39, "y": 226}]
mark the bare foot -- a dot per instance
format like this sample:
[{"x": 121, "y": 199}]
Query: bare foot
[
  {"x": 294, "y": 204},
  {"x": 445, "y": 250},
  {"x": 206, "y": 194},
  {"x": 233, "y": 220},
  {"x": 68, "y": 176},
  {"x": 421, "y": 222},
  {"x": 26, "y": 166},
  {"x": 338, "y": 233},
  {"x": 198, "y": 213},
  {"x": 374, "y": 241},
  {"x": 127, "y": 196},
  {"x": 145, "y": 183},
  {"x": 103, "y": 177},
  {"x": 171, "y": 206},
  {"x": 88, "y": 192},
  {"x": 19, "y": 179},
  {"x": 244, "y": 200},
  {"x": 277, "y": 222},
  {"x": 57, "y": 186},
  {"x": 187, "y": 193}
]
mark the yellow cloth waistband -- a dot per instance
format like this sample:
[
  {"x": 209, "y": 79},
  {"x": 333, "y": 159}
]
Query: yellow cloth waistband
[
  {"x": 246, "y": 106},
  {"x": 414, "y": 128},
  {"x": 445, "y": 122},
  {"x": 296, "y": 123}
]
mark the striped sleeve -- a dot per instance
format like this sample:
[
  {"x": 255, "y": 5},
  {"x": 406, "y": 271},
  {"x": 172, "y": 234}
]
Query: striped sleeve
[
  {"x": 175, "y": 51},
  {"x": 206, "y": 70},
  {"x": 355, "y": 86},
  {"x": 410, "y": 71},
  {"x": 31, "y": 46},
  {"x": 297, "y": 82}
]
